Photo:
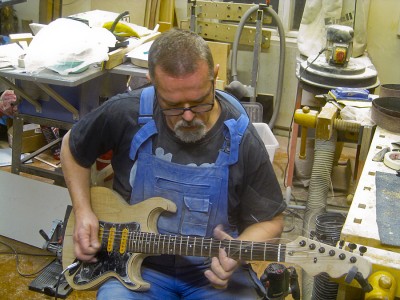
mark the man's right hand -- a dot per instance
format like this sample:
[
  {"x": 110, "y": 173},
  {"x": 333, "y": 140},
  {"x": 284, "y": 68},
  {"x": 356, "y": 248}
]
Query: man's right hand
[{"x": 86, "y": 241}]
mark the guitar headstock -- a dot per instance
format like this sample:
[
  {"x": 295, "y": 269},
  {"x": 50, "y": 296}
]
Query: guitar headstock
[{"x": 315, "y": 257}]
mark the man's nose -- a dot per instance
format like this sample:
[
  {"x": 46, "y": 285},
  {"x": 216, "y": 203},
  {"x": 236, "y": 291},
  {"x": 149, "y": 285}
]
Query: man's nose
[{"x": 188, "y": 115}]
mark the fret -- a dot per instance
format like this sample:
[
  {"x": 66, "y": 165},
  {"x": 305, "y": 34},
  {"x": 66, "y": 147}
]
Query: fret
[
  {"x": 187, "y": 245},
  {"x": 158, "y": 244},
  {"x": 143, "y": 242},
  {"x": 146, "y": 241},
  {"x": 265, "y": 253},
  {"x": 279, "y": 253},
  {"x": 180, "y": 246},
  {"x": 209, "y": 252},
  {"x": 201, "y": 248},
  {"x": 240, "y": 250},
  {"x": 229, "y": 248},
  {"x": 251, "y": 251},
  {"x": 163, "y": 245},
  {"x": 194, "y": 247},
  {"x": 151, "y": 244},
  {"x": 174, "y": 238}
]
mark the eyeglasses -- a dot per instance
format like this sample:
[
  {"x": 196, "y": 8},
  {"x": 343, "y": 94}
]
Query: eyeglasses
[{"x": 200, "y": 108}]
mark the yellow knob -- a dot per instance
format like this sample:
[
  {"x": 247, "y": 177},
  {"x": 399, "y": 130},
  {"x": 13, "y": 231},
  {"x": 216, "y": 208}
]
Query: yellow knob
[
  {"x": 385, "y": 282},
  {"x": 306, "y": 109}
]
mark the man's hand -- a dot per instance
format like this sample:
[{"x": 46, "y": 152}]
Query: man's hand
[
  {"x": 86, "y": 243},
  {"x": 222, "y": 267}
]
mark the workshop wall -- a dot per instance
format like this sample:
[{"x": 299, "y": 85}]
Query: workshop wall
[
  {"x": 383, "y": 46},
  {"x": 383, "y": 39}
]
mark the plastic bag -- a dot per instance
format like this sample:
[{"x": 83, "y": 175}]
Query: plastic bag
[
  {"x": 358, "y": 115},
  {"x": 320, "y": 13},
  {"x": 68, "y": 46}
]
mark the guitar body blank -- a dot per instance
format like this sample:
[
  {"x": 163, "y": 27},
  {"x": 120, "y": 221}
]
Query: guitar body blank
[{"x": 115, "y": 215}]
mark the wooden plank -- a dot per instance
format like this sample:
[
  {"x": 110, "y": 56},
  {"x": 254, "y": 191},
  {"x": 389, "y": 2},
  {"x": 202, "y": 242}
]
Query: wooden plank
[
  {"x": 361, "y": 226},
  {"x": 220, "y": 53},
  {"x": 117, "y": 57},
  {"x": 167, "y": 13}
]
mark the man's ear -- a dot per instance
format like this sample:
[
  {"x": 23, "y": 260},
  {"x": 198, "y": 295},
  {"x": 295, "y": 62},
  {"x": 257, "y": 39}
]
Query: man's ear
[{"x": 216, "y": 69}]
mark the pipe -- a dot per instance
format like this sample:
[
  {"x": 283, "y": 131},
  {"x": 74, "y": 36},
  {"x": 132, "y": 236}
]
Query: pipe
[
  {"x": 324, "y": 153},
  {"x": 282, "y": 49}
]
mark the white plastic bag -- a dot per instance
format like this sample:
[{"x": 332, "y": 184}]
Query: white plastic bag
[
  {"x": 68, "y": 46},
  {"x": 358, "y": 115},
  {"x": 320, "y": 13}
]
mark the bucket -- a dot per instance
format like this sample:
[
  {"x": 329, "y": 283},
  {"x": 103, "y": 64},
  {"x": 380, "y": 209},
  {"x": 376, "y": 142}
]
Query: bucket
[
  {"x": 385, "y": 112},
  {"x": 390, "y": 90}
]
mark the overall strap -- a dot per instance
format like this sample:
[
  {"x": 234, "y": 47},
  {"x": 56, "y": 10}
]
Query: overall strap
[
  {"x": 146, "y": 105},
  {"x": 146, "y": 121},
  {"x": 233, "y": 133}
]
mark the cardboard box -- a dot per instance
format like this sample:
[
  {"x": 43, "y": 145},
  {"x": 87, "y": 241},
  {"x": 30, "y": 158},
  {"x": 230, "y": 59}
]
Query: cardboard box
[{"x": 32, "y": 138}]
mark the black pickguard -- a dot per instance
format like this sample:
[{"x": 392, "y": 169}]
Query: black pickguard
[{"x": 113, "y": 261}]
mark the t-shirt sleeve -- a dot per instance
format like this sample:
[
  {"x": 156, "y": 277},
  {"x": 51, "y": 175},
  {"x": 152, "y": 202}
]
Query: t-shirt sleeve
[{"x": 100, "y": 130}]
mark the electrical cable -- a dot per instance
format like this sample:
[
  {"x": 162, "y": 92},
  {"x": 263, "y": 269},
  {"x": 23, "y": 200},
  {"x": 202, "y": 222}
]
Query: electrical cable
[
  {"x": 309, "y": 64},
  {"x": 71, "y": 266},
  {"x": 18, "y": 262}
]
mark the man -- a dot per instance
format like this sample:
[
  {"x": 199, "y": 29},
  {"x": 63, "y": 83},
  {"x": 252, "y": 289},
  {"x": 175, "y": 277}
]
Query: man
[{"x": 192, "y": 147}]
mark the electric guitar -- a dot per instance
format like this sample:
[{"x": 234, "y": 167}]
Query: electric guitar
[{"x": 128, "y": 234}]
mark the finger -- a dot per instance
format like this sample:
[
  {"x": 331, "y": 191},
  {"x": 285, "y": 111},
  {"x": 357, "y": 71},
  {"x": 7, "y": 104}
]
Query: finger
[
  {"x": 94, "y": 237},
  {"x": 226, "y": 263},
  {"x": 220, "y": 234},
  {"x": 215, "y": 280}
]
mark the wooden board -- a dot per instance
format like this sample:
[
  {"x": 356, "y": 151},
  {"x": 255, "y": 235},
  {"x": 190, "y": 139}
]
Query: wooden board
[
  {"x": 361, "y": 226},
  {"x": 28, "y": 205},
  {"x": 220, "y": 53}
]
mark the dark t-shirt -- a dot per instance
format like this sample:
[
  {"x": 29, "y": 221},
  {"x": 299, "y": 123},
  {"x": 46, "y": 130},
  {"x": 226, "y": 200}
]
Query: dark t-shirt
[{"x": 254, "y": 192}]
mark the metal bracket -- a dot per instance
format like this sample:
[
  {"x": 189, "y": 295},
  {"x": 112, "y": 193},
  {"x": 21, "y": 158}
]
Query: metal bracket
[
  {"x": 218, "y": 21},
  {"x": 59, "y": 99},
  {"x": 20, "y": 92}
]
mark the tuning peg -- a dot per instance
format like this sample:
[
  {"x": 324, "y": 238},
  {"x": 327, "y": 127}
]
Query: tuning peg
[
  {"x": 362, "y": 250},
  {"x": 341, "y": 244},
  {"x": 352, "y": 246}
]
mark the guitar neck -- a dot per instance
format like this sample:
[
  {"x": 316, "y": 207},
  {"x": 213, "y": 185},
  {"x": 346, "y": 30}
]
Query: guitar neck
[{"x": 151, "y": 243}]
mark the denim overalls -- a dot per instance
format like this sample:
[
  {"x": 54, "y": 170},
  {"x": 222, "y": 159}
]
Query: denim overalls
[{"x": 201, "y": 196}]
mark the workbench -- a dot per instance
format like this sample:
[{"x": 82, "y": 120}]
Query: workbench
[
  {"x": 361, "y": 226},
  {"x": 50, "y": 99}
]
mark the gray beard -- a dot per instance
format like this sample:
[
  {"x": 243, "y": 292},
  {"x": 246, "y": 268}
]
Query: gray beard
[{"x": 190, "y": 136}]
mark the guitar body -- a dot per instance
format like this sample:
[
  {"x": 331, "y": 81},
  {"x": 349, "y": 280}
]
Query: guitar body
[{"x": 115, "y": 216}]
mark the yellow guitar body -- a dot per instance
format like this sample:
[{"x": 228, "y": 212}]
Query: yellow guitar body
[{"x": 111, "y": 207}]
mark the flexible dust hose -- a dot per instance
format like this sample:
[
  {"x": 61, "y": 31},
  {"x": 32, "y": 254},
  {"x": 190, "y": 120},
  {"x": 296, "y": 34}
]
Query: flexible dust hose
[
  {"x": 324, "y": 153},
  {"x": 282, "y": 49}
]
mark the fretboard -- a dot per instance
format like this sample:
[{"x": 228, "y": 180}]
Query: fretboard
[{"x": 151, "y": 243}]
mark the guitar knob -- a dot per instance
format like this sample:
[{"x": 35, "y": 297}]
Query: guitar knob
[
  {"x": 332, "y": 252},
  {"x": 312, "y": 246},
  {"x": 342, "y": 256},
  {"x": 353, "y": 259},
  {"x": 321, "y": 250},
  {"x": 302, "y": 243},
  {"x": 362, "y": 250},
  {"x": 352, "y": 246}
]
